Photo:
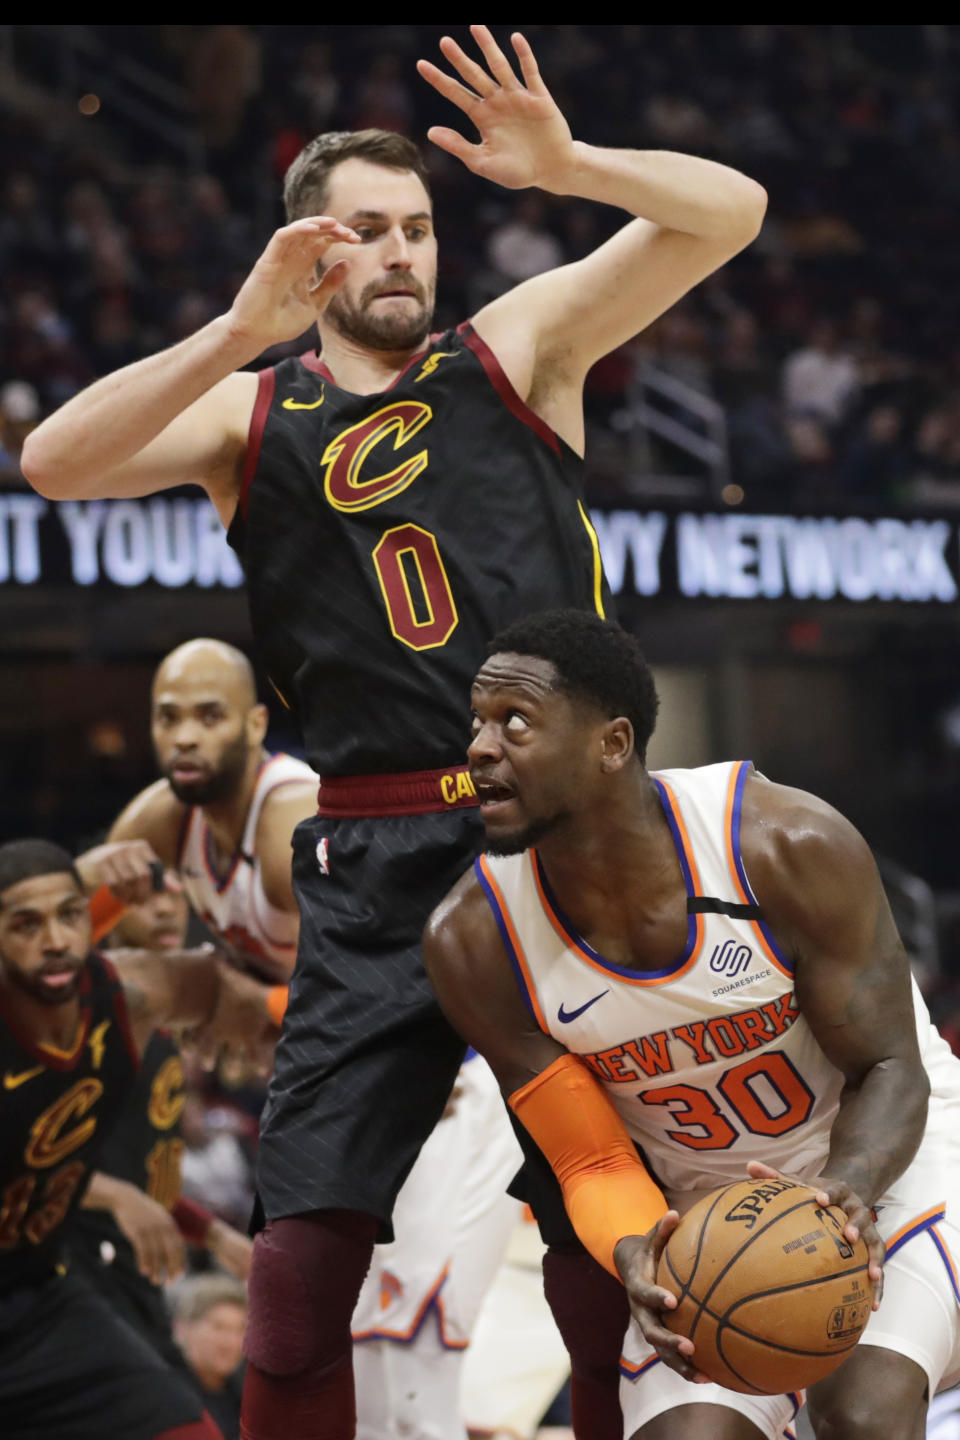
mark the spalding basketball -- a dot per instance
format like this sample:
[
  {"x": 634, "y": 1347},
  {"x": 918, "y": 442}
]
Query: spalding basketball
[{"x": 771, "y": 1292}]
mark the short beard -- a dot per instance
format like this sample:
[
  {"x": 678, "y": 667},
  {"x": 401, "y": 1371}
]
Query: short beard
[
  {"x": 384, "y": 332},
  {"x": 521, "y": 840},
  {"x": 222, "y": 783}
]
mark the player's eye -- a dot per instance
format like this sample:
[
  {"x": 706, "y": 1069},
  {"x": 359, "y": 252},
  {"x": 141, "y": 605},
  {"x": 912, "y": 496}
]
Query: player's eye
[
  {"x": 416, "y": 232},
  {"x": 366, "y": 232},
  {"x": 517, "y": 722}
]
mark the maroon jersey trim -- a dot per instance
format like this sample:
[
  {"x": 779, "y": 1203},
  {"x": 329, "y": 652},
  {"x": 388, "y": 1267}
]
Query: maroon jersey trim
[
  {"x": 266, "y": 384},
  {"x": 313, "y": 362},
  {"x": 121, "y": 1010},
  {"x": 504, "y": 388}
]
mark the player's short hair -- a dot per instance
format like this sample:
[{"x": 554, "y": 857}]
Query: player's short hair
[
  {"x": 195, "y": 1296},
  {"x": 25, "y": 859},
  {"x": 595, "y": 660},
  {"x": 307, "y": 181}
]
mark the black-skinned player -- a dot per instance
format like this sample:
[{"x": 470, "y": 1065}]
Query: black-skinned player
[
  {"x": 394, "y": 503},
  {"x": 72, "y": 1029}
]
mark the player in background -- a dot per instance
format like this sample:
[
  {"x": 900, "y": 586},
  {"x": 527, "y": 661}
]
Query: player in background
[
  {"x": 703, "y": 964},
  {"x": 394, "y": 502},
  {"x": 127, "y": 1237},
  {"x": 222, "y": 817},
  {"x": 73, "y": 1029}
]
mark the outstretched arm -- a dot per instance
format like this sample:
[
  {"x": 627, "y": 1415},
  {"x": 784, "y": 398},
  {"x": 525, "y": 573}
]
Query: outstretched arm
[
  {"x": 193, "y": 988},
  {"x": 693, "y": 215},
  {"x": 182, "y": 416}
]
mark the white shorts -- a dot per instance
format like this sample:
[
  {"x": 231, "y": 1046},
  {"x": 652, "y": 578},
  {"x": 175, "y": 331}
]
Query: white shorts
[
  {"x": 452, "y": 1221},
  {"x": 919, "y": 1317}
]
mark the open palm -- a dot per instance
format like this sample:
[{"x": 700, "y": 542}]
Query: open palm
[{"x": 524, "y": 139}]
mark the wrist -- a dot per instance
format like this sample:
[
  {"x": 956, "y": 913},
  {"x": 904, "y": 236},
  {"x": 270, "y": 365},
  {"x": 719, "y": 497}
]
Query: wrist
[
  {"x": 236, "y": 340},
  {"x": 568, "y": 175}
]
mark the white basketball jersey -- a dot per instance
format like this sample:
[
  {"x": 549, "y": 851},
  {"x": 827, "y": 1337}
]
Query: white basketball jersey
[
  {"x": 234, "y": 905},
  {"x": 708, "y": 1061}
]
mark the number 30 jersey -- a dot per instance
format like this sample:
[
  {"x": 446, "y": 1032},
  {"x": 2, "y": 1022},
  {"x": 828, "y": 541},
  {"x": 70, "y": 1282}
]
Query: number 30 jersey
[
  {"x": 708, "y": 1061},
  {"x": 386, "y": 538}
]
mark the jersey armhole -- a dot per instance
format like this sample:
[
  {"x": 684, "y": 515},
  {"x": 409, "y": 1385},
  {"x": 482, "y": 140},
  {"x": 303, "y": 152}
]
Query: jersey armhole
[
  {"x": 266, "y": 384},
  {"x": 504, "y": 387}
]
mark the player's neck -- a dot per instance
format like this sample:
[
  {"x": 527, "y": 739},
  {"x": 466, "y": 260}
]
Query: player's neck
[
  {"x": 594, "y": 864},
  {"x": 226, "y": 819},
  {"x": 48, "y": 1025},
  {"x": 359, "y": 370}
]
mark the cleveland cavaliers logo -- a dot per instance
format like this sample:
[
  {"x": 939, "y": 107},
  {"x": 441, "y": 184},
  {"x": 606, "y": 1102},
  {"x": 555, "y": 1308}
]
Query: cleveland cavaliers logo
[
  {"x": 354, "y": 478},
  {"x": 730, "y": 958}
]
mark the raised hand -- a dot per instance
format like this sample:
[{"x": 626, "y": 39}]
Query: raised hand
[
  {"x": 637, "y": 1257},
  {"x": 524, "y": 139},
  {"x": 282, "y": 297}
]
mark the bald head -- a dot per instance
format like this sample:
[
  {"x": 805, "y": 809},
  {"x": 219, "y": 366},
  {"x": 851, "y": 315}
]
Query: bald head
[
  {"x": 207, "y": 726},
  {"x": 213, "y": 663}
]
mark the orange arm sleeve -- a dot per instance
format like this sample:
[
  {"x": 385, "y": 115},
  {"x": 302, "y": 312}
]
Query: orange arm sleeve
[
  {"x": 607, "y": 1191},
  {"x": 277, "y": 997},
  {"x": 105, "y": 911}
]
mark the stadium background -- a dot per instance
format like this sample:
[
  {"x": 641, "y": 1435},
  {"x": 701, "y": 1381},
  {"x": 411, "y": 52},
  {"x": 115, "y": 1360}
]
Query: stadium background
[{"x": 773, "y": 468}]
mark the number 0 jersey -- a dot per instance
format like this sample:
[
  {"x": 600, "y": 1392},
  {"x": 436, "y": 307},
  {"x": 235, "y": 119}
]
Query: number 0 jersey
[
  {"x": 56, "y": 1109},
  {"x": 386, "y": 538},
  {"x": 708, "y": 1061}
]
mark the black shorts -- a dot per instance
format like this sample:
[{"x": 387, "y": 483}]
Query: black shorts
[
  {"x": 130, "y": 1295},
  {"x": 70, "y": 1369},
  {"x": 366, "y": 1060}
]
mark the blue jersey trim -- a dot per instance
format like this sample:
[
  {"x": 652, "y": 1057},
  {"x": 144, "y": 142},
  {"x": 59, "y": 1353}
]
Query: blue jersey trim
[
  {"x": 762, "y": 926},
  {"x": 578, "y": 942},
  {"x": 505, "y": 936}
]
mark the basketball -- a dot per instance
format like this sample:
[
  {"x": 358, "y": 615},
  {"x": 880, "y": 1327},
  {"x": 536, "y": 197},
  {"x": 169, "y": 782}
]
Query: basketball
[{"x": 770, "y": 1291}]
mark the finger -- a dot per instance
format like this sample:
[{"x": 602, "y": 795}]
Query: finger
[
  {"x": 499, "y": 64},
  {"x": 175, "y": 1255},
  {"x": 449, "y": 88},
  {"x": 528, "y": 65},
  {"x": 454, "y": 144},
  {"x": 171, "y": 882},
  {"x": 758, "y": 1171},
  {"x": 324, "y": 289},
  {"x": 473, "y": 73}
]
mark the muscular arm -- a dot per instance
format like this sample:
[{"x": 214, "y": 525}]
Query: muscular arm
[
  {"x": 692, "y": 216},
  {"x": 183, "y": 415},
  {"x": 155, "y": 815},
  {"x": 817, "y": 882},
  {"x": 606, "y": 1190},
  {"x": 188, "y": 988}
]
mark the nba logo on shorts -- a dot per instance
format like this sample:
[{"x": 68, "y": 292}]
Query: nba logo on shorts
[
  {"x": 323, "y": 856},
  {"x": 730, "y": 958}
]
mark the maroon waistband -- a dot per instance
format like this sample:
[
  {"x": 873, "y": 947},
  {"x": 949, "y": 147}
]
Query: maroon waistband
[{"x": 418, "y": 792}]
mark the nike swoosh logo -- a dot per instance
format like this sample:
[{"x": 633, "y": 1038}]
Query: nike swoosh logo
[
  {"x": 565, "y": 1016},
  {"x": 10, "y": 1082},
  {"x": 302, "y": 405}
]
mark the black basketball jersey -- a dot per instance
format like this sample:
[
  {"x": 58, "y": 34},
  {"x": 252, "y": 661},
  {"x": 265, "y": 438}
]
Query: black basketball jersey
[
  {"x": 55, "y": 1111},
  {"x": 386, "y": 538},
  {"x": 144, "y": 1147}
]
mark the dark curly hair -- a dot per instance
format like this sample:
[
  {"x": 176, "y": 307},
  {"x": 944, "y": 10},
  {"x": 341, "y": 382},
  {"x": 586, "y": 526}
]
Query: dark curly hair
[{"x": 595, "y": 661}]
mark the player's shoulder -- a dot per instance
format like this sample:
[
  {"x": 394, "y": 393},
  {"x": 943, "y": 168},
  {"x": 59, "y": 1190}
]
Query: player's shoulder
[
  {"x": 156, "y": 815},
  {"x": 461, "y": 923},
  {"x": 796, "y": 844}
]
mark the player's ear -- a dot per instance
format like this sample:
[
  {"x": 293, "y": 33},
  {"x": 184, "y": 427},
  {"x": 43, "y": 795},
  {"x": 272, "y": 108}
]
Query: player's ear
[
  {"x": 616, "y": 744},
  {"x": 258, "y": 718}
]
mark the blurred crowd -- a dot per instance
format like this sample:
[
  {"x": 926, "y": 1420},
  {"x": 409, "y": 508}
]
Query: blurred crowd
[{"x": 831, "y": 344}]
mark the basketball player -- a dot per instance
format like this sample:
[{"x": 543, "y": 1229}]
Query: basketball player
[
  {"x": 72, "y": 1031},
  {"x": 703, "y": 964},
  {"x": 393, "y": 503},
  {"x": 127, "y": 1237},
  {"x": 223, "y": 813},
  {"x": 222, "y": 818}
]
